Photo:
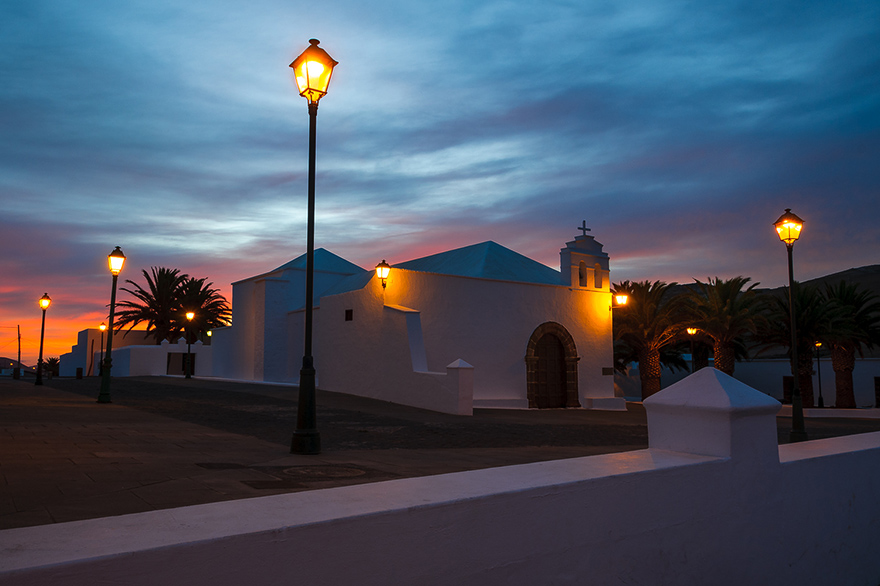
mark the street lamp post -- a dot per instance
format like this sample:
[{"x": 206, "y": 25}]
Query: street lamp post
[
  {"x": 312, "y": 70},
  {"x": 788, "y": 227},
  {"x": 103, "y": 328},
  {"x": 45, "y": 301},
  {"x": 115, "y": 260},
  {"x": 819, "y": 375},
  {"x": 189, "y": 369}
]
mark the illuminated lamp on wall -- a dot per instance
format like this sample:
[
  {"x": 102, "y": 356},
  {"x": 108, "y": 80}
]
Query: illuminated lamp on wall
[{"x": 382, "y": 271}]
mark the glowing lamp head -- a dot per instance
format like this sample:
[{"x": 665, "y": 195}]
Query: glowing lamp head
[
  {"x": 692, "y": 331},
  {"x": 190, "y": 315},
  {"x": 312, "y": 70},
  {"x": 382, "y": 271},
  {"x": 45, "y": 301},
  {"x": 210, "y": 333},
  {"x": 818, "y": 344},
  {"x": 116, "y": 260},
  {"x": 102, "y": 327},
  {"x": 621, "y": 298},
  {"x": 788, "y": 226}
]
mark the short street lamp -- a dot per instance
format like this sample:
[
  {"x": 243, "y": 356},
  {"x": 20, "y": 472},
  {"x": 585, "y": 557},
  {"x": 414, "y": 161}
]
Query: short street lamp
[
  {"x": 45, "y": 302},
  {"x": 189, "y": 317},
  {"x": 116, "y": 260},
  {"x": 312, "y": 70},
  {"x": 819, "y": 375},
  {"x": 691, "y": 333},
  {"x": 789, "y": 227},
  {"x": 103, "y": 328}
]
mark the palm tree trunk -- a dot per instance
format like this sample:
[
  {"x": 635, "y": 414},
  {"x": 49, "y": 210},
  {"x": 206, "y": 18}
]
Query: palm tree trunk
[
  {"x": 843, "y": 360},
  {"x": 724, "y": 357},
  {"x": 649, "y": 372}
]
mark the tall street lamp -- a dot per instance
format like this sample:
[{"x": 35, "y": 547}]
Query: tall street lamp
[
  {"x": 189, "y": 369},
  {"x": 103, "y": 328},
  {"x": 819, "y": 376},
  {"x": 312, "y": 70},
  {"x": 45, "y": 301},
  {"x": 115, "y": 260},
  {"x": 789, "y": 227}
]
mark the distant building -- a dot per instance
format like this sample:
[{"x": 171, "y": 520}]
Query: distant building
[
  {"x": 479, "y": 326},
  {"x": 86, "y": 353}
]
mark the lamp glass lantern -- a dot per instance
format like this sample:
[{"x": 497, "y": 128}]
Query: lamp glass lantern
[
  {"x": 382, "y": 271},
  {"x": 789, "y": 227},
  {"x": 116, "y": 260},
  {"x": 312, "y": 70},
  {"x": 45, "y": 301},
  {"x": 621, "y": 298}
]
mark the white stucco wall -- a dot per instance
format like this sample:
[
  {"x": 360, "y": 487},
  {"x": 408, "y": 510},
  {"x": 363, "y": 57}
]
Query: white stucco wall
[
  {"x": 487, "y": 323},
  {"x": 90, "y": 340},
  {"x": 223, "y": 353},
  {"x": 748, "y": 512},
  {"x": 152, "y": 360},
  {"x": 265, "y": 339},
  {"x": 378, "y": 354}
]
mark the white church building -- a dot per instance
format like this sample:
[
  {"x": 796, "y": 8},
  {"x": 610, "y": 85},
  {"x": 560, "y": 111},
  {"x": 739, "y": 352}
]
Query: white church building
[{"x": 479, "y": 326}]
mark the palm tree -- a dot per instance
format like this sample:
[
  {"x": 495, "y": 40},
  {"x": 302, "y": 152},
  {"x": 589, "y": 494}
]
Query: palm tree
[
  {"x": 814, "y": 316},
  {"x": 157, "y": 305},
  {"x": 648, "y": 323},
  {"x": 51, "y": 366},
  {"x": 210, "y": 307},
  {"x": 857, "y": 325},
  {"x": 725, "y": 313}
]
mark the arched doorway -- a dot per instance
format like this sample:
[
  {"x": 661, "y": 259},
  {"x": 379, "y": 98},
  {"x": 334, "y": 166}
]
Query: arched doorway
[{"x": 551, "y": 368}]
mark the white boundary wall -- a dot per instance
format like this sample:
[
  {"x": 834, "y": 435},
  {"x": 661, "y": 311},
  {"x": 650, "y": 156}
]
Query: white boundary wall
[{"x": 712, "y": 501}]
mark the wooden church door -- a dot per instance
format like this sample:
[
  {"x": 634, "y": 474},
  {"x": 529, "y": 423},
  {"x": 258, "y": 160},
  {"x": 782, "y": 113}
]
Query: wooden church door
[{"x": 550, "y": 388}]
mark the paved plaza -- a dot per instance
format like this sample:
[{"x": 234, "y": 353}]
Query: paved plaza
[{"x": 168, "y": 442}]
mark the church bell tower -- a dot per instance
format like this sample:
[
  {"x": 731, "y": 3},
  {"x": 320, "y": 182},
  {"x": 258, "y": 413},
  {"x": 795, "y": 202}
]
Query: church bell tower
[{"x": 583, "y": 264}]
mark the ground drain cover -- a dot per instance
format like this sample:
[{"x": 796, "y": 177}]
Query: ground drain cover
[
  {"x": 298, "y": 476},
  {"x": 220, "y": 465},
  {"x": 321, "y": 472},
  {"x": 302, "y": 476}
]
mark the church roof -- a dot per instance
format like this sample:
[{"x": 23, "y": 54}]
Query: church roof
[
  {"x": 324, "y": 261},
  {"x": 486, "y": 260}
]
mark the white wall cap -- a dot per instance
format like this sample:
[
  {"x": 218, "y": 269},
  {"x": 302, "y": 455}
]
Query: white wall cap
[
  {"x": 402, "y": 309},
  {"x": 710, "y": 389},
  {"x": 459, "y": 364}
]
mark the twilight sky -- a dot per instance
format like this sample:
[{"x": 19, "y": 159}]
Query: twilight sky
[{"x": 679, "y": 130}]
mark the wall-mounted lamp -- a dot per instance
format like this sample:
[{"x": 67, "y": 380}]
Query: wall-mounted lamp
[{"x": 382, "y": 270}]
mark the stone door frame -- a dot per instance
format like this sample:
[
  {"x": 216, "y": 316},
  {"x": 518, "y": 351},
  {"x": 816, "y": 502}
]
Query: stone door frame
[{"x": 571, "y": 363}]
